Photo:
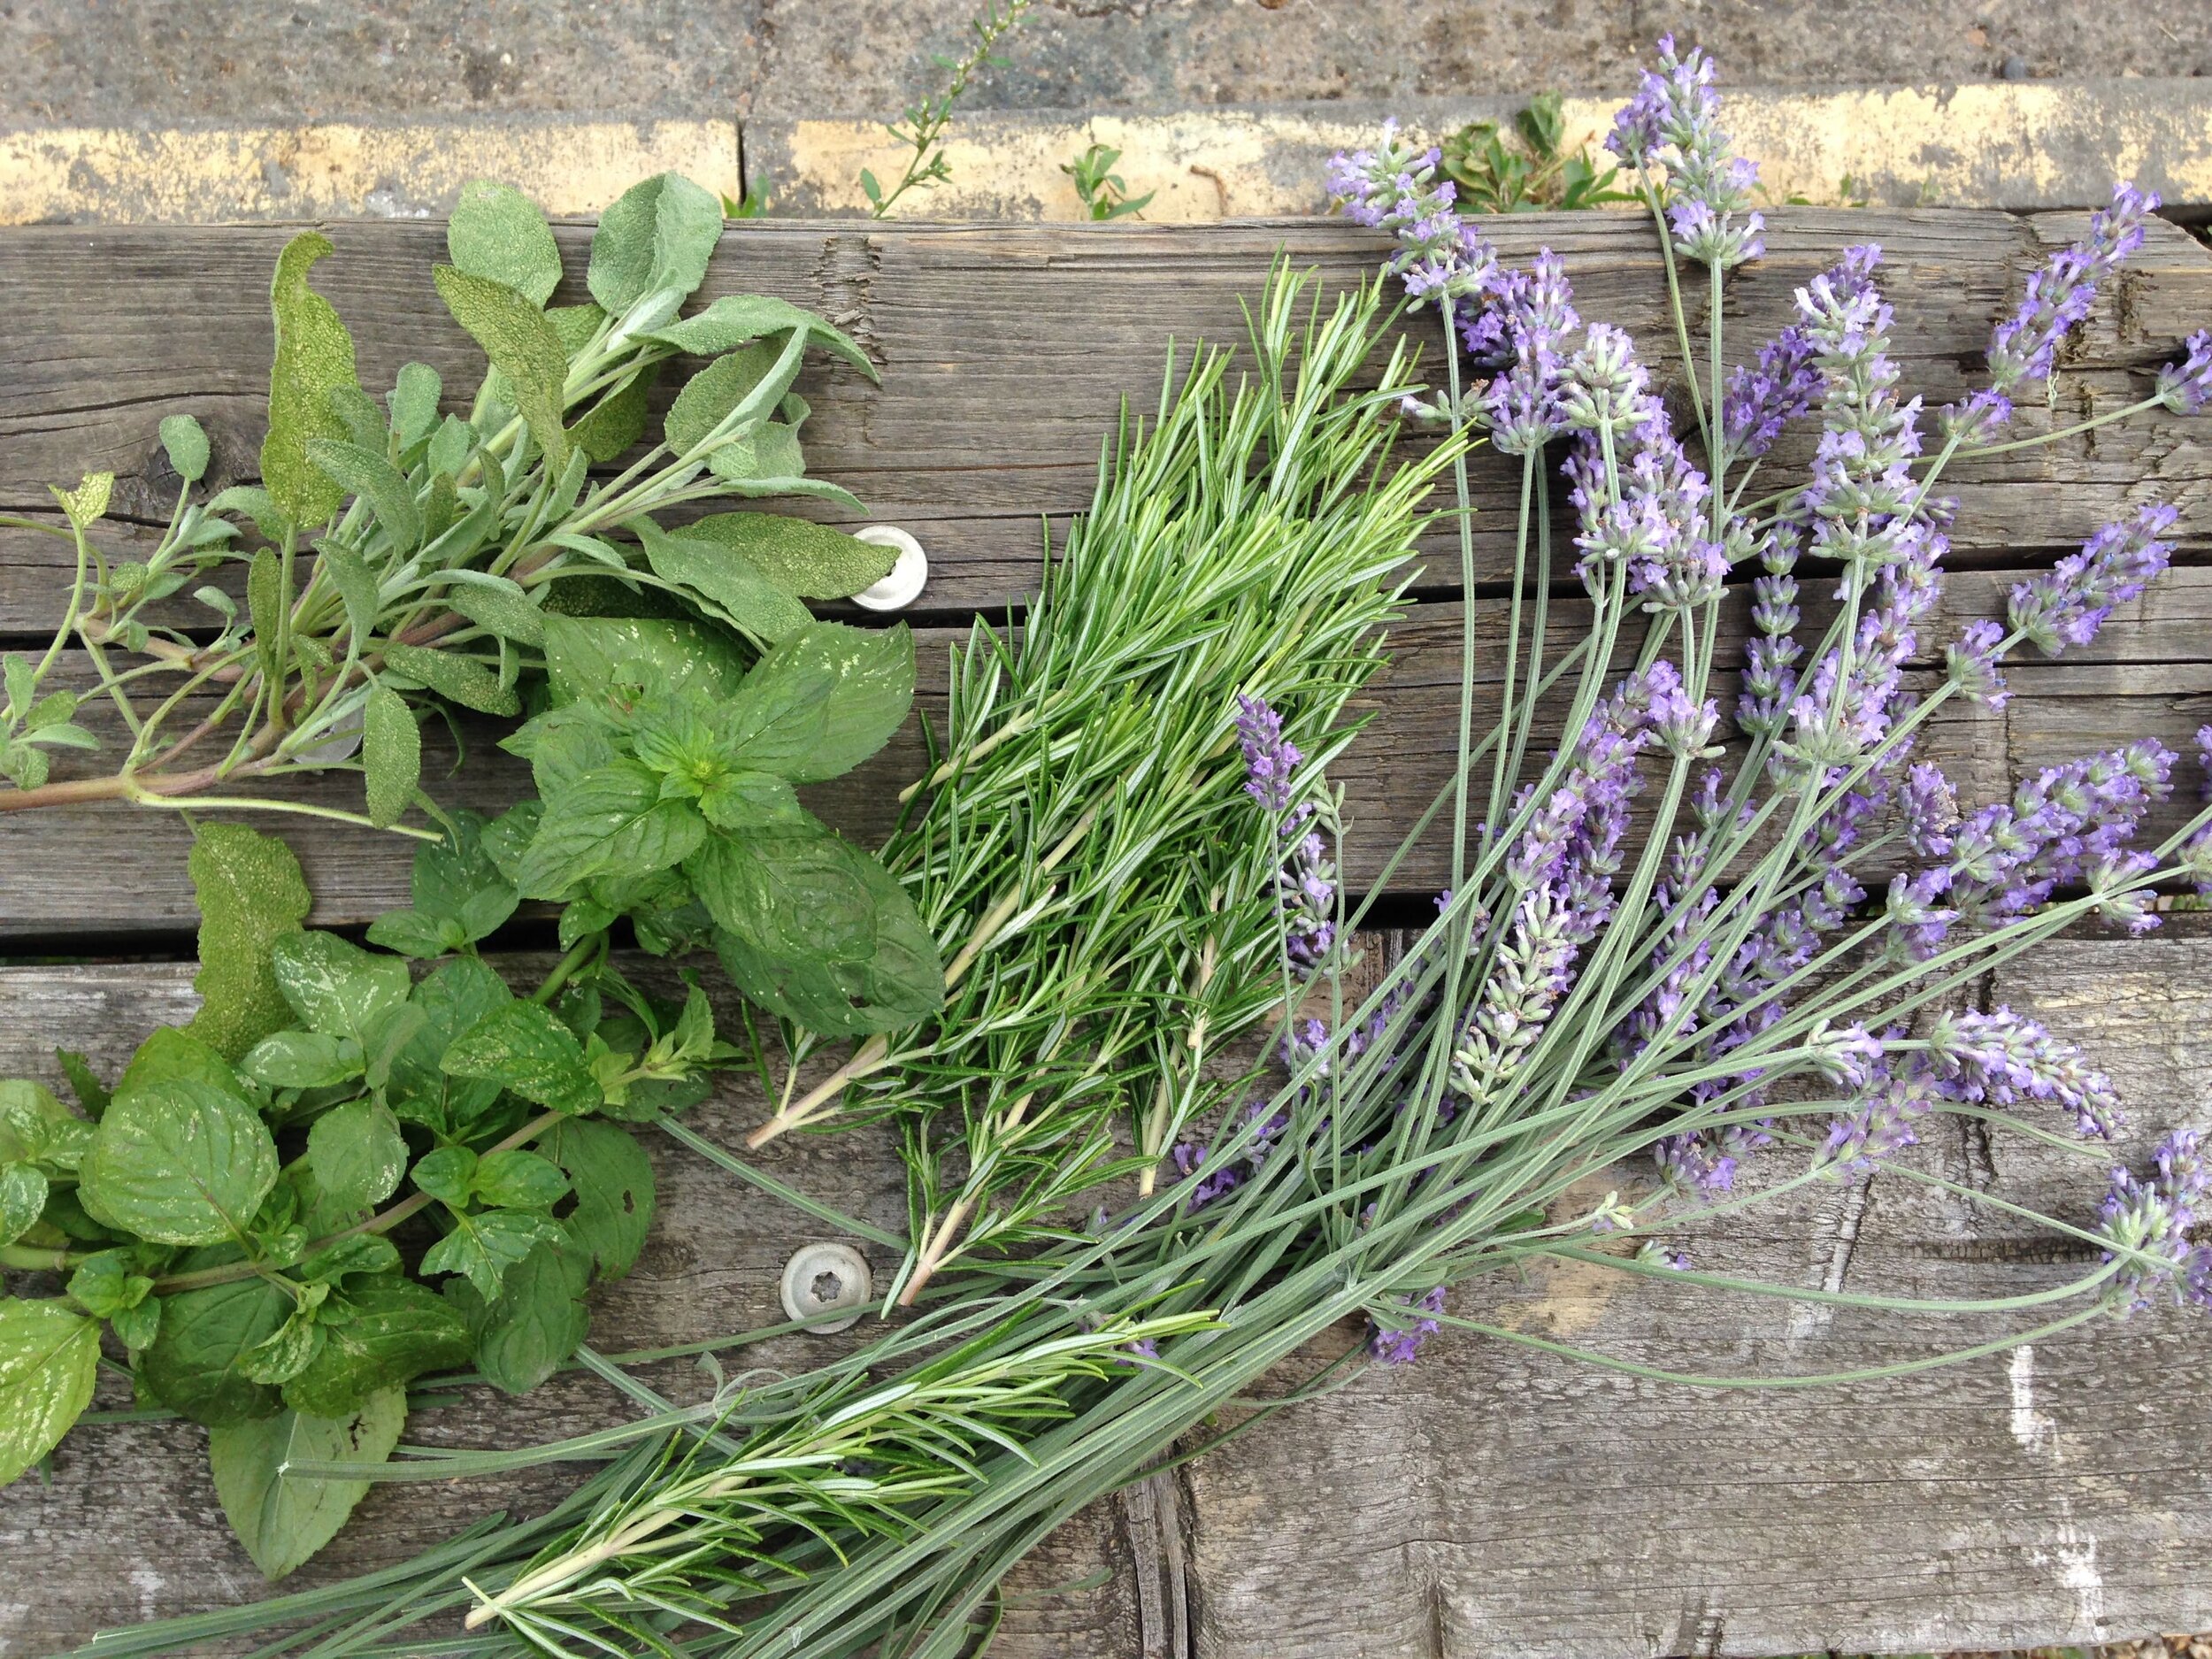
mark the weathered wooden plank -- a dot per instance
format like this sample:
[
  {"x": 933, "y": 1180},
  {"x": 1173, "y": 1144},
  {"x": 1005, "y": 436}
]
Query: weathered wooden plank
[
  {"x": 1006, "y": 349},
  {"x": 118, "y": 870},
  {"x": 1488, "y": 1498}
]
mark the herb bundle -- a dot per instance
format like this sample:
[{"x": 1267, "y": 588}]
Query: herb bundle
[
  {"x": 1084, "y": 851},
  {"x": 1729, "y": 984},
  {"x": 440, "y": 541},
  {"x": 259, "y": 1207}
]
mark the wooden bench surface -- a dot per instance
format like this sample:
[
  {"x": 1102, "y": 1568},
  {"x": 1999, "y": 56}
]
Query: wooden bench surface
[{"x": 1488, "y": 1498}]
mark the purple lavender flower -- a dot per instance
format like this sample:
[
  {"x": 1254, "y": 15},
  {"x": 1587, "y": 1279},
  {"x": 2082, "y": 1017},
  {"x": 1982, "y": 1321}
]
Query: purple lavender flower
[
  {"x": 1673, "y": 120},
  {"x": 2186, "y": 388},
  {"x": 2008, "y": 858},
  {"x": 1764, "y": 396},
  {"x": 1270, "y": 759},
  {"x": 2005, "y": 1057},
  {"x": 1525, "y": 330},
  {"x": 1882, "y": 1125},
  {"x": 1393, "y": 188},
  {"x": 2067, "y": 606},
  {"x": 1931, "y": 810},
  {"x": 1400, "y": 1344},
  {"x": 1970, "y": 662},
  {"x": 2147, "y": 1222},
  {"x": 2024, "y": 346}
]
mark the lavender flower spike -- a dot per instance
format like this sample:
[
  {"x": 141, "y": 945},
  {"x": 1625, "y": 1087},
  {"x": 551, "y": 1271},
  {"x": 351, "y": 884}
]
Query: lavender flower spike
[
  {"x": 2147, "y": 1223},
  {"x": 1394, "y": 1345},
  {"x": 1673, "y": 119},
  {"x": 1270, "y": 759},
  {"x": 2067, "y": 606},
  {"x": 2024, "y": 346},
  {"x": 1395, "y": 188},
  {"x": 2186, "y": 388}
]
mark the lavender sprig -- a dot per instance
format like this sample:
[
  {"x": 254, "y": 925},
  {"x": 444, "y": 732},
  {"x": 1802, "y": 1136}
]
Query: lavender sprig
[
  {"x": 2067, "y": 606},
  {"x": 2024, "y": 346}
]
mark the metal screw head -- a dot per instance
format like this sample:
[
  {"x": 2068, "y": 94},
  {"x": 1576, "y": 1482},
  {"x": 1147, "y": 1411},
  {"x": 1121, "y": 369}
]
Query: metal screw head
[{"x": 820, "y": 1277}]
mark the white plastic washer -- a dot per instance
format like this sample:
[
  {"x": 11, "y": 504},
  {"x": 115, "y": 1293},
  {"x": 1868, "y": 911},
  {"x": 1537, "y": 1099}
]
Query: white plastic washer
[
  {"x": 908, "y": 576},
  {"x": 820, "y": 1277}
]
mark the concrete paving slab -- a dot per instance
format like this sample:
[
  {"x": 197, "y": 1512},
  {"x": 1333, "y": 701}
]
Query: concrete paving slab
[
  {"x": 342, "y": 169},
  {"x": 156, "y": 62},
  {"x": 2006, "y": 145}
]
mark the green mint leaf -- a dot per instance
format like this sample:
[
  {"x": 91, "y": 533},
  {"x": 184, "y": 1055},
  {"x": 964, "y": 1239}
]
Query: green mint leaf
[
  {"x": 757, "y": 801},
  {"x": 103, "y": 1284},
  {"x": 536, "y": 1322},
  {"x": 357, "y": 1253},
  {"x": 481, "y": 1247},
  {"x": 378, "y": 1333},
  {"x": 613, "y": 1182},
  {"x": 458, "y": 679},
  {"x": 302, "y": 1059},
  {"x": 138, "y": 1326},
  {"x": 724, "y": 582},
  {"x": 448, "y": 1174},
  {"x": 335, "y": 986},
  {"x": 194, "y": 1363},
  {"x": 36, "y": 1128},
  {"x": 586, "y": 658},
  {"x": 657, "y": 238},
  {"x": 49, "y": 1355},
  {"x": 504, "y": 610},
  {"x": 391, "y": 756},
  {"x": 172, "y": 1053},
  {"x": 413, "y": 403},
  {"x": 357, "y": 1154},
  {"x": 497, "y": 232},
  {"x": 22, "y": 1200},
  {"x": 457, "y": 995},
  {"x": 870, "y": 964},
  {"x": 819, "y": 704},
  {"x": 285, "y": 1354},
  {"x": 91, "y": 1093},
  {"x": 178, "y": 1161},
  {"x": 807, "y": 560},
  {"x": 414, "y": 933},
  {"x": 737, "y": 319},
  {"x": 250, "y": 894},
  {"x": 520, "y": 1179},
  {"x": 280, "y": 1522},
  {"x": 613, "y": 819},
  {"x": 313, "y": 353},
  {"x": 526, "y": 1051},
  {"x": 361, "y": 472},
  {"x": 186, "y": 444},
  {"x": 521, "y": 345}
]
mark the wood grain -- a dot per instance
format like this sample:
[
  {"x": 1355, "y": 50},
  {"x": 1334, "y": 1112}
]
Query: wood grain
[
  {"x": 1006, "y": 350},
  {"x": 1487, "y": 1500}
]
